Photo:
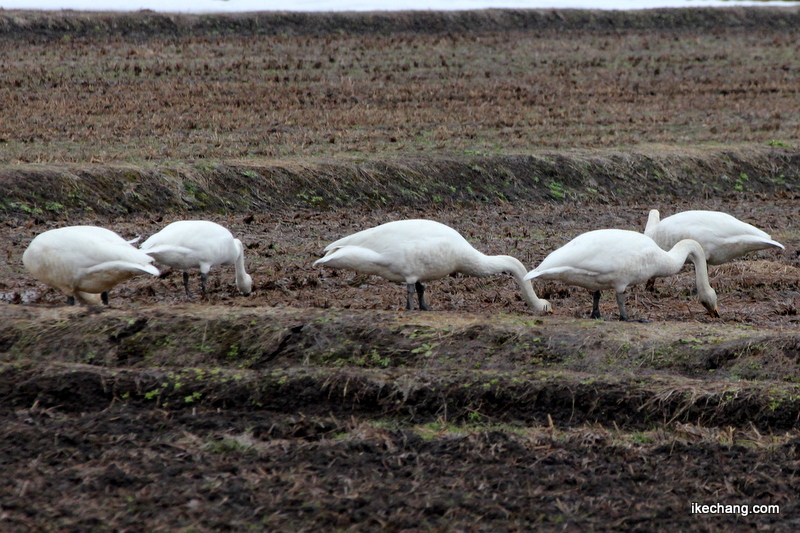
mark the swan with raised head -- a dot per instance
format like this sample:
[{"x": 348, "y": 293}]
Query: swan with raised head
[
  {"x": 84, "y": 262},
  {"x": 616, "y": 259},
  {"x": 416, "y": 251},
  {"x": 722, "y": 236},
  {"x": 202, "y": 244}
]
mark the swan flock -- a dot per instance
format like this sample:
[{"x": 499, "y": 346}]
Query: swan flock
[{"x": 85, "y": 262}]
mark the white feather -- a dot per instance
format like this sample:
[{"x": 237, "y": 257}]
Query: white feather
[
  {"x": 84, "y": 261},
  {"x": 722, "y": 236},
  {"x": 415, "y": 251},
  {"x": 615, "y": 259},
  {"x": 189, "y": 244}
]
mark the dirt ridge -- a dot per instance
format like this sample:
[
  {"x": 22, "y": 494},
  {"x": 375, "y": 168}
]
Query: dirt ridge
[
  {"x": 568, "y": 399},
  {"x": 247, "y": 186},
  {"x": 145, "y": 23},
  {"x": 399, "y": 365}
]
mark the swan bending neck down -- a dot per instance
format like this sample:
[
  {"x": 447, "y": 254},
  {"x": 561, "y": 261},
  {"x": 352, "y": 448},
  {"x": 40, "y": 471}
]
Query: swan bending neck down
[
  {"x": 202, "y": 244},
  {"x": 416, "y": 251},
  {"x": 615, "y": 259},
  {"x": 722, "y": 236},
  {"x": 84, "y": 262}
]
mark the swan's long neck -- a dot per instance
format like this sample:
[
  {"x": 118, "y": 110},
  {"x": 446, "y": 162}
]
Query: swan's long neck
[
  {"x": 488, "y": 265},
  {"x": 692, "y": 250},
  {"x": 243, "y": 280},
  {"x": 652, "y": 221}
]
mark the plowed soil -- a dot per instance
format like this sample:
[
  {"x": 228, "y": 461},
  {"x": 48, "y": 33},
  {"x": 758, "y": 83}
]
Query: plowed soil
[{"x": 318, "y": 402}]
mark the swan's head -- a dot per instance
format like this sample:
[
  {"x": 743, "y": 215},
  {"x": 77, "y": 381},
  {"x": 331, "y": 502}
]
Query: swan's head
[
  {"x": 537, "y": 304},
  {"x": 243, "y": 280},
  {"x": 709, "y": 301},
  {"x": 695, "y": 253},
  {"x": 544, "y": 307},
  {"x": 245, "y": 284}
]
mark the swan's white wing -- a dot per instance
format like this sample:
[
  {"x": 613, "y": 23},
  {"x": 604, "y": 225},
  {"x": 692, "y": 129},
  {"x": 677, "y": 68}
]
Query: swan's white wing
[
  {"x": 600, "y": 252},
  {"x": 705, "y": 226},
  {"x": 722, "y": 236},
  {"x": 601, "y": 259},
  {"x": 409, "y": 234}
]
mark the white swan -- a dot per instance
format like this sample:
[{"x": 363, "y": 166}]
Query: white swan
[
  {"x": 414, "y": 251},
  {"x": 199, "y": 244},
  {"x": 722, "y": 236},
  {"x": 84, "y": 261},
  {"x": 614, "y": 259}
]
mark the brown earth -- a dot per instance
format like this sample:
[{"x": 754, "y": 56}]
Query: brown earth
[{"x": 317, "y": 403}]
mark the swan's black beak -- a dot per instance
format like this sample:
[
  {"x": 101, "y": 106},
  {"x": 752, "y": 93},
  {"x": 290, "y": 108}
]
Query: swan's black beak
[{"x": 712, "y": 310}]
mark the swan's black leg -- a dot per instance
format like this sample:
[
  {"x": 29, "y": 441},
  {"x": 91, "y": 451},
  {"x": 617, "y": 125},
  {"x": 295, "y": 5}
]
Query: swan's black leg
[
  {"x": 104, "y": 297},
  {"x": 622, "y": 314},
  {"x": 186, "y": 283},
  {"x": 650, "y": 285},
  {"x": 70, "y": 300},
  {"x": 621, "y": 303},
  {"x": 596, "y": 306},
  {"x": 421, "y": 294},
  {"x": 410, "y": 296},
  {"x": 203, "y": 279}
]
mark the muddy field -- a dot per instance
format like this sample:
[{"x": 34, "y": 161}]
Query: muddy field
[{"x": 318, "y": 403}]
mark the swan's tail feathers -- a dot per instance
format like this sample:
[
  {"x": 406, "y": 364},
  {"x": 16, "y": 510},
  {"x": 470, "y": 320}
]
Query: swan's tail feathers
[
  {"x": 555, "y": 272},
  {"x": 532, "y": 274},
  {"x": 118, "y": 269},
  {"x": 150, "y": 269},
  {"x": 104, "y": 276},
  {"x": 754, "y": 242},
  {"x": 160, "y": 252},
  {"x": 352, "y": 257},
  {"x": 776, "y": 244},
  {"x": 652, "y": 221},
  {"x": 134, "y": 241},
  {"x": 340, "y": 243},
  {"x": 322, "y": 260}
]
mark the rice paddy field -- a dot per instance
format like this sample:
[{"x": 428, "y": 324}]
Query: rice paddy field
[{"x": 318, "y": 402}]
